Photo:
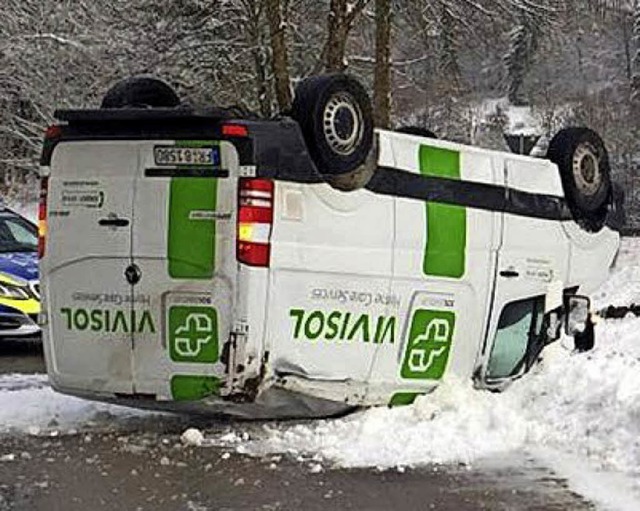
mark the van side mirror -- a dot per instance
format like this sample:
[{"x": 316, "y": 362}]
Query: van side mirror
[{"x": 576, "y": 315}]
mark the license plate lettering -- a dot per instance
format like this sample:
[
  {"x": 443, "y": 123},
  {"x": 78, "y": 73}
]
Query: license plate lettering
[{"x": 174, "y": 156}]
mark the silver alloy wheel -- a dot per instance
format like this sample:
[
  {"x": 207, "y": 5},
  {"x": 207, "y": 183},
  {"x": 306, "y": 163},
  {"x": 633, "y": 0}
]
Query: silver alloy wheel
[
  {"x": 343, "y": 123},
  {"x": 586, "y": 169}
]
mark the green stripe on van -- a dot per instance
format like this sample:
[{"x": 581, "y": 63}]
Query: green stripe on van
[
  {"x": 192, "y": 388},
  {"x": 445, "y": 252},
  {"x": 192, "y": 228}
]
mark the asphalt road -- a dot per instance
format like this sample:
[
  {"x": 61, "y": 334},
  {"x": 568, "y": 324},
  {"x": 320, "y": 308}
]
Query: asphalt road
[{"x": 144, "y": 466}]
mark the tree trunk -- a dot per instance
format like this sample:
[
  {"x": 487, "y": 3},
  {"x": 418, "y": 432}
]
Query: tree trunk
[
  {"x": 382, "y": 76},
  {"x": 280, "y": 57},
  {"x": 635, "y": 79},
  {"x": 256, "y": 35},
  {"x": 448, "y": 58},
  {"x": 518, "y": 61},
  {"x": 339, "y": 24}
]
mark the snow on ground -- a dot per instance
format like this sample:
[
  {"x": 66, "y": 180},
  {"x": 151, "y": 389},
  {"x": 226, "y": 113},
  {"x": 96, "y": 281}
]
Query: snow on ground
[{"x": 29, "y": 405}]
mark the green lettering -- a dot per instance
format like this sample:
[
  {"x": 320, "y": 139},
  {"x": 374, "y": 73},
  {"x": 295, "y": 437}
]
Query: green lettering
[
  {"x": 309, "y": 331},
  {"x": 333, "y": 324},
  {"x": 298, "y": 314},
  {"x": 343, "y": 331},
  {"x": 386, "y": 327},
  {"x": 68, "y": 314},
  {"x": 81, "y": 319},
  {"x": 96, "y": 321},
  {"x": 146, "y": 322},
  {"x": 363, "y": 324},
  {"x": 120, "y": 321}
]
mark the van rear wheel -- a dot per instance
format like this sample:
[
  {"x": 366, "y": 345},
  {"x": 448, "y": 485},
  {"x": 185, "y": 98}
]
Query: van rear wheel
[
  {"x": 335, "y": 116},
  {"x": 140, "y": 92},
  {"x": 583, "y": 162}
]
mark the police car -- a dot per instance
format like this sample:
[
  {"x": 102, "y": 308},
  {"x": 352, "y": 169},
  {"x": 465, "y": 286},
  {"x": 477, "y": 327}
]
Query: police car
[
  {"x": 203, "y": 259},
  {"x": 19, "y": 284}
]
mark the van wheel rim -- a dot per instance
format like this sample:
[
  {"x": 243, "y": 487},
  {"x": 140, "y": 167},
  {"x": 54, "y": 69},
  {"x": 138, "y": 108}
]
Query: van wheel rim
[
  {"x": 586, "y": 169},
  {"x": 343, "y": 126}
]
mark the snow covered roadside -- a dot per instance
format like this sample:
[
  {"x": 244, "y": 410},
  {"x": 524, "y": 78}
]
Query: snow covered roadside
[{"x": 29, "y": 405}]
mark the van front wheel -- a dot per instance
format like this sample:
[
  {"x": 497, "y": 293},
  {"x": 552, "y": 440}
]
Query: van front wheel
[
  {"x": 335, "y": 116},
  {"x": 583, "y": 162}
]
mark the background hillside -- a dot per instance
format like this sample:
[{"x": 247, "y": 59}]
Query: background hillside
[{"x": 468, "y": 69}]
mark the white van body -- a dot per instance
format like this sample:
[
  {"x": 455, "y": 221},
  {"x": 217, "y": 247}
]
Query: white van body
[{"x": 366, "y": 298}]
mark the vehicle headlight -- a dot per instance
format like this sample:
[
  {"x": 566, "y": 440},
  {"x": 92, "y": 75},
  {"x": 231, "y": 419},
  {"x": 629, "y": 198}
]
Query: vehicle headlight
[{"x": 13, "y": 292}]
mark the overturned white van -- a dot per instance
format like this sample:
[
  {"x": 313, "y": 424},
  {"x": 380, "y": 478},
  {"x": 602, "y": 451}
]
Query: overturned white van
[{"x": 203, "y": 260}]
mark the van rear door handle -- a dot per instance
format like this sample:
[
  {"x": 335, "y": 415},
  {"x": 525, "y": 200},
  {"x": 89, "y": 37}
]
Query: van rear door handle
[
  {"x": 509, "y": 274},
  {"x": 113, "y": 221}
]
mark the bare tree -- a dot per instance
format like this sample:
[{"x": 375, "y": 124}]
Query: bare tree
[
  {"x": 635, "y": 77},
  {"x": 342, "y": 15},
  {"x": 382, "y": 73},
  {"x": 280, "y": 53}
]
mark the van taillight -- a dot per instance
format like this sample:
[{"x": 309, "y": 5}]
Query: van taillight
[
  {"x": 42, "y": 215},
  {"x": 255, "y": 218}
]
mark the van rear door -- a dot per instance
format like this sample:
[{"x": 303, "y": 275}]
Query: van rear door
[
  {"x": 88, "y": 251},
  {"x": 184, "y": 262}
]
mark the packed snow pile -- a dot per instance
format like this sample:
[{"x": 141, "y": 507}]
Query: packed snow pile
[{"x": 29, "y": 405}]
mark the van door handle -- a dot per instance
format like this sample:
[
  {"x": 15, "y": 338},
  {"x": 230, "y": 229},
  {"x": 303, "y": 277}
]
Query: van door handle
[
  {"x": 509, "y": 274},
  {"x": 114, "y": 222}
]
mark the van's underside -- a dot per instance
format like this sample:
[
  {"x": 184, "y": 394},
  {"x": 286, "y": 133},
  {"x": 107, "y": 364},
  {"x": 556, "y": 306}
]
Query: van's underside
[{"x": 271, "y": 403}]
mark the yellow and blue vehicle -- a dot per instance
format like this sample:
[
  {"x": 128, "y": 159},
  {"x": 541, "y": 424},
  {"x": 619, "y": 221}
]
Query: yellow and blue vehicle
[{"x": 19, "y": 284}]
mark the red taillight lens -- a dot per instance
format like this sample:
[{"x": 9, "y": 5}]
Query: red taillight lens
[
  {"x": 255, "y": 218},
  {"x": 42, "y": 215},
  {"x": 235, "y": 130},
  {"x": 53, "y": 131}
]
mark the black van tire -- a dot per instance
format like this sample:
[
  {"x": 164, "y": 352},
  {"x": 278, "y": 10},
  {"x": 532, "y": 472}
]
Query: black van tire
[
  {"x": 335, "y": 116},
  {"x": 417, "y": 130},
  {"x": 140, "y": 92},
  {"x": 583, "y": 162}
]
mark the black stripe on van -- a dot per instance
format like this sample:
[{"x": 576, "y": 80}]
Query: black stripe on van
[
  {"x": 185, "y": 172},
  {"x": 400, "y": 183}
]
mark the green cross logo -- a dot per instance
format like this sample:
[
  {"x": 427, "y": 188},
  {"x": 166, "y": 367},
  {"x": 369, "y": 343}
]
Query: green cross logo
[
  {"x": 193, "y": 334},
  {"x": 429, "y": 345}
]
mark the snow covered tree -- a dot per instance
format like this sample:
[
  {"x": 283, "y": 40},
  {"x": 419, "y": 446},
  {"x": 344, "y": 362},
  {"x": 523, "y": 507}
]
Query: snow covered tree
[
  {"x": 340, "y": 20},
  {"x": 280, "y": 52},
  {"x": 635, "y": 77},
  {"x": 518, "y": 60}
]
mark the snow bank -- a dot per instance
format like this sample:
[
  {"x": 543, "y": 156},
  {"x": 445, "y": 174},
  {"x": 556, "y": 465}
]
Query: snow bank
[{"x": 29, "y": 405}]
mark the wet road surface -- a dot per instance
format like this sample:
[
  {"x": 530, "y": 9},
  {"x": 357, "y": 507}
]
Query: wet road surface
[
  {"x": 142, "y": 465},
  {"x": 21, "y": 357}
]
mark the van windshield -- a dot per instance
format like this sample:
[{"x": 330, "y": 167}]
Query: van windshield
[{"x": 17, "y": 234}]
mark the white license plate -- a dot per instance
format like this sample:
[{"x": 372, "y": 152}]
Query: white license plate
[{"x": 171, "y": 155}]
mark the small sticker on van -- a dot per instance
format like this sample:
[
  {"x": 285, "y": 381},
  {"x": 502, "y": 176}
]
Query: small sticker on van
[{"x": 429, "y": 345}]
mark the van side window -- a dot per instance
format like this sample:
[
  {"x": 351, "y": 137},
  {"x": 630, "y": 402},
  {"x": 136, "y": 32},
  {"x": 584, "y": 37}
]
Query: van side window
[{"x": 519, "y": 327}]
